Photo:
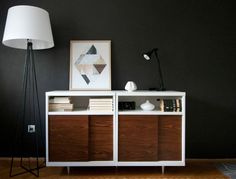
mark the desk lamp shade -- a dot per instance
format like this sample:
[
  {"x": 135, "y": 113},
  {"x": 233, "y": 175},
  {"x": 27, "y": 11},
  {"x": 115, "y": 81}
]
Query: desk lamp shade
[{"x": 28, "y": 23}]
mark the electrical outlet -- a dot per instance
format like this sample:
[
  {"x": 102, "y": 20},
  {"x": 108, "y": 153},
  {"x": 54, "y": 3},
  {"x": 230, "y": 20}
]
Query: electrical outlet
[{"x": 31, "y": 128}]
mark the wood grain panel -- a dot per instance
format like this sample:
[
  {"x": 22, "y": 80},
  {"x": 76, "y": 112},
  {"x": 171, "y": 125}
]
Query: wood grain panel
[
  {"x": 169, "y": 137},
  {"x": 100, "y": 138},
  {"x": 68, "y": 138},
  {"x": 137, "y": 138}
]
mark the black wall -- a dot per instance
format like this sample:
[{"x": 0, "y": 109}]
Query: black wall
[{"x": 197, "y": 42}]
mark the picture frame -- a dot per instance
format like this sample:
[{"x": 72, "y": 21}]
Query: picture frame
[{"x": 90, "y": 65}]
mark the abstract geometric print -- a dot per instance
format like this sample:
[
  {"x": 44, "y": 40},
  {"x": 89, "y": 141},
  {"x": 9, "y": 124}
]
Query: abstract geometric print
[{"x": 90, "y": 65}]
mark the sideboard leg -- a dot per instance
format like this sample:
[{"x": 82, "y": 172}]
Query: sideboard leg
[
  {"x": 68, "y": 170},
  {"x": 162, "y": 169}
]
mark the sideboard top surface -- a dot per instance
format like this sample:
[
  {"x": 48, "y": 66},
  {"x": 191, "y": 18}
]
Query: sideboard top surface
[{"x": 118, "y": 92}]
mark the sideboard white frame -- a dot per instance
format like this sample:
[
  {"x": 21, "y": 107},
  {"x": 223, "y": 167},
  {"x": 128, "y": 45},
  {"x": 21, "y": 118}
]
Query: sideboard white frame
[{"x": 115, "y": 95}]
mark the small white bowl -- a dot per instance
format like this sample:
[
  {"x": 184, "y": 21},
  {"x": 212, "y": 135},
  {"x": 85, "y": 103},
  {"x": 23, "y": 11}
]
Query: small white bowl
[{"x": 147, "y": 106}]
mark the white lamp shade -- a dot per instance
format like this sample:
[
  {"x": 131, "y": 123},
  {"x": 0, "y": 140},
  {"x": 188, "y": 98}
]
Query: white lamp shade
[{"x": 28, "y": 23}]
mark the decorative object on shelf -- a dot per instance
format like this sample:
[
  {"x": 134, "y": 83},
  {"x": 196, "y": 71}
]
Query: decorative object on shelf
[
  {"x": 28, "y": 27},
  {"x": 147, "y": 106},
  {"x": 130, "y": 86},
  {"x": 147, "y": 56},
  {"x": 90, "y": 65},
  {"x": 126, "y": 105}
]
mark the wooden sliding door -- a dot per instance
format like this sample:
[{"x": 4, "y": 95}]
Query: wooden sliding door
[
  {"x": 169, "y": 138},
  {"x": 100, "y": 138},
  {"x": 68, "y": 138},
  {"x": 149, "y": 138},
  {"x": 137, "y": 138},
  {"x": 80, "y": 138}
]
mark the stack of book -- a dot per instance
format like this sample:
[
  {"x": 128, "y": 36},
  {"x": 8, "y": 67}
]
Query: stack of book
[
  {"x": 60, "y": 104},
  {"x": 171, "y": 105},
  {"x": 101, "y": 104}
]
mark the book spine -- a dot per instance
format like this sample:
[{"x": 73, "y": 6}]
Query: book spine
[
  {"x": 100, "y": 103},
  {"x": 174, "y": 104},
  {"x": 180, "y": 105},
  {"x": 100, "y": 109},
  {"x": 60, "y": 100},
  {"x": 101, "y": 100},
  {"x": 168, "y": 105},
  {"x": 162, "y": 105}
]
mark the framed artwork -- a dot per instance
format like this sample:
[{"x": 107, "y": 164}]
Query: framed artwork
[{"x": 90, "y": 65}]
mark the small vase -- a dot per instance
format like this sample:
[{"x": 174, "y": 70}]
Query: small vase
[
  {"x": 147, "y": 106},
  {"x": 130, "y": 86}
]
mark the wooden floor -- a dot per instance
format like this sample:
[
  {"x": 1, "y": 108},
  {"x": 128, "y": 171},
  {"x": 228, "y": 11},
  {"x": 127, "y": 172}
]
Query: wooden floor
[{"x": 194, "y": 169}]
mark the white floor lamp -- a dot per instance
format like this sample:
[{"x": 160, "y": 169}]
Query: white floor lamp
[{"x": 28, "y": 28}]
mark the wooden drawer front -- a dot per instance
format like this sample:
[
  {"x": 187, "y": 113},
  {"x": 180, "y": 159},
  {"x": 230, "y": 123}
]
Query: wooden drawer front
[
  {"x": 169, "y": 146},
  {"x": 100, "y": 138},
  {"x": 68, "y": 138},
  {"x": 137, "y": 138}
]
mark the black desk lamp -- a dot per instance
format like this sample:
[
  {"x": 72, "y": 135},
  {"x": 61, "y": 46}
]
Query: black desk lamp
[{"x": 147, "y": 56}]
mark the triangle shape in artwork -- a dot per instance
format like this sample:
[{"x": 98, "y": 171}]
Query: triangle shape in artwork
[
  {"x": 99, "y": 67},
  {"x": 100, "y": 60},
  {"x": 92, "y": 50}
]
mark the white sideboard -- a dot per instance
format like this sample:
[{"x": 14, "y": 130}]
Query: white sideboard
[{"x": 85, "y": 137}]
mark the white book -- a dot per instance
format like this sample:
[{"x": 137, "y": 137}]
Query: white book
[
  {"x": 60, "y": 100},
  {"x": 94, "y": 106},
  {"x": 60, "y": 105},
  {"x": 100, "y": 100},
  {"x": 100, "y": 108},
  {"x": 60, "y": 109},
  {"x": 57, "y": 106}
]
